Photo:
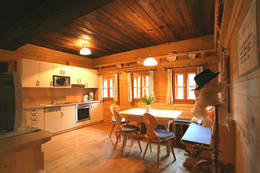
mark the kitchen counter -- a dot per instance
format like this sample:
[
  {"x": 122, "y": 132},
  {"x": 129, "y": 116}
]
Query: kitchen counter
[
  {"x": 23, "y": 153},
  {"x": 58, "y": 104}
]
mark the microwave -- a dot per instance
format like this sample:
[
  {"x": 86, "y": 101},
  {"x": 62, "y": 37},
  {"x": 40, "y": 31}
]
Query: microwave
[{"x": 61, "y": 80}]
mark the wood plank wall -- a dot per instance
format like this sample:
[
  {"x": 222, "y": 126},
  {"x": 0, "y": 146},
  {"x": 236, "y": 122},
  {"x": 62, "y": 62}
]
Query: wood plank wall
[
  {"x": 30, "y": 51},
  {"x": 160, "y": 87},
  {"x": 245, "y": 93}
]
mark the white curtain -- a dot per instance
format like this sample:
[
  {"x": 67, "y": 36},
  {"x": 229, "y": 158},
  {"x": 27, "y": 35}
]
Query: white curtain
[
  {"x": 151, "y": 86},
  {"x": 116, "y": 88},
  {"x": 130, "y": 94},
  {"x": 100, "y": 88},
  {"x": 169, "y": 96}
]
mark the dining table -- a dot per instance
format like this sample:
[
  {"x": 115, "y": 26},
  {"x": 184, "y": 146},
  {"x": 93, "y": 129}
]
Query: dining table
[{"x": 163, "y": 117}]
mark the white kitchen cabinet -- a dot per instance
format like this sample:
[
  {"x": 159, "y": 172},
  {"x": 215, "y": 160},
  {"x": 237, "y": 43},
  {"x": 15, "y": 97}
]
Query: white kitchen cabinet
[
  {"x": 68, "y": 117},
  {"x": 78, "y": 75},
  {"x": 91, "y": 78},
  {"x": 53, "y": 119},
  {"x": 60, "y": 118},
  {"x": 46, "y": 74},
  {"x": 29, "y": 71},
  {"x": 34, "y": 117},
  {"x": 61, "y": 70},
  {"x": 96, "y": 112}
]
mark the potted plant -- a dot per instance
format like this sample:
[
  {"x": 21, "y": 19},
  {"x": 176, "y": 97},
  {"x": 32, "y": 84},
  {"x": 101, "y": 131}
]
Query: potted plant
[{"x": 148, "y": 100}]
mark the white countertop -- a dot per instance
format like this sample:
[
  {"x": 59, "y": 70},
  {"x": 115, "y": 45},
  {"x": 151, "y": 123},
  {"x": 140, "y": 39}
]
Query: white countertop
[{"x": 58, "y": 104}]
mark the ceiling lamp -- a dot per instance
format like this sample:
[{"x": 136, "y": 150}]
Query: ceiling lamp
[
  {"x": 85, "y": 50},
  {"x": 150, "y": 61}
]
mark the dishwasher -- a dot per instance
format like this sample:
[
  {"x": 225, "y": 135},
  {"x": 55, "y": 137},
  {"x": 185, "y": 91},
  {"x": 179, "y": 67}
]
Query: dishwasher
[{"x": 53, "y": 117}]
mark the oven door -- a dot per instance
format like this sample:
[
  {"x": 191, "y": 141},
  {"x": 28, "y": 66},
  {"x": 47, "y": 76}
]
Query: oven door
[{"x": 83, "y": 112}]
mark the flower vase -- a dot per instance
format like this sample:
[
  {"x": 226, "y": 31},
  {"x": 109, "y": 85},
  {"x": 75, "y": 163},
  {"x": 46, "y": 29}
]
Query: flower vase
[{"x": 148, "y": 108}]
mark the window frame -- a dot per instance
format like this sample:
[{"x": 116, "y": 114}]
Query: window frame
[
  {"x": 185, "y": 73},
  {"x": 142, "y": 76},
  {"x": 108, "y": 78}
]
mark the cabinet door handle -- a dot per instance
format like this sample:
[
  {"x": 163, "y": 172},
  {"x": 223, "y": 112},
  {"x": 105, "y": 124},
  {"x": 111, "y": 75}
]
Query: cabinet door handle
[
  {"x": 37, "y": 83},
  {"x": 62, "y": 114}
]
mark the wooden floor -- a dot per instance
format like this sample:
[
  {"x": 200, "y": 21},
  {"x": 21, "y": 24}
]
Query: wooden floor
[{"x": 91, "y": 150}]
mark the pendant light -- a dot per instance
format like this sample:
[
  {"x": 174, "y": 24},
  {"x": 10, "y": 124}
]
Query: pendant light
[
  {"x": 150, "y": 61},
  {"x": 85, "y": 50}
]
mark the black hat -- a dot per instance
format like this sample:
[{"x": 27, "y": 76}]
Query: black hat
[{"x": 204, "y": 77}]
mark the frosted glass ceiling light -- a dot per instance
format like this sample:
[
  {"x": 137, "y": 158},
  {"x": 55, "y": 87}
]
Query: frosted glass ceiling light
[
  {"x": 85, "y": 51},
  {"x": 150, "y": 61}
]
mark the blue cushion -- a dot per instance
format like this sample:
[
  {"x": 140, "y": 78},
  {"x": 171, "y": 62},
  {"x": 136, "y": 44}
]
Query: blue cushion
[
  {"x": 182, "y": 121},
  {"x": 163, "y": 134},
  {"x": 122, "y": 121},
  {"x": 130, "y": 128}
]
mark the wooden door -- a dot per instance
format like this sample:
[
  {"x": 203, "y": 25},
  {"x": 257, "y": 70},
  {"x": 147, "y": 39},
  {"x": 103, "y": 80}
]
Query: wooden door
[
  {"x": 46, "y": 74},
  {"x": 68, "y": 117}
]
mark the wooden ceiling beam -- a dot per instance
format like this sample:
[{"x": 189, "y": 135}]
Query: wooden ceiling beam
[
  {"x": 192, "y": 45},
  {"x": 48, "y": 17}
]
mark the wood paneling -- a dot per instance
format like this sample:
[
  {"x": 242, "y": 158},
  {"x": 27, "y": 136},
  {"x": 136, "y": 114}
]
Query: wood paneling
[
  {"x": 195, "y": 44},
  {"x": 123, "y": 25},
  {"x": 25, "y": 20},
  {"x": 160, "y": 88},
  {"x": 245, "y": 93},
  {"x": 30, "y": 51}
]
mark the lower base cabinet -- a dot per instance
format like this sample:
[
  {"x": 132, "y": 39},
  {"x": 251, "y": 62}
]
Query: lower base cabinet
[
  {"x": 96, "y": 112},
  {"x": 60, "y": 120},
  {"x": 68, "y": 117}
]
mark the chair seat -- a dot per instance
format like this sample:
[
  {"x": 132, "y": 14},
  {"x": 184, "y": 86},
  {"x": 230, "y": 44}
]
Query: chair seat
[
  {"x": 130, "y": 128},
  {"x": 122, "y": 121},
  {"x": 164, "y": 134}
]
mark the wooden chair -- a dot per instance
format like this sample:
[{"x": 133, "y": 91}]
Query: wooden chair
[
  {"x": 157, "y": 135},
  {"x": 114, "y": 107},
  {"x": 126, "y": 131}
]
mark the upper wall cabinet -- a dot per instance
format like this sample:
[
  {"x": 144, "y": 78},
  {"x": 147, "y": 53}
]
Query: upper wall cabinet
[
  {"x": 87, "y": 77},
  {"x": 91, "y": 78},
  {"x": 61, "y": 70},
  {"x": 35, "y": 73},
  {"x": 29, "y": 71},
  {"x": 46, "y": 74},
  {"x": 77, "y": 75},
  {"x": 40, "y": 74}
]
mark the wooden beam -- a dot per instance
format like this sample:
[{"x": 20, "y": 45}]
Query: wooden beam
[
  {"x": 48, "y": 17},
  {"x": 191, "y": 45}
]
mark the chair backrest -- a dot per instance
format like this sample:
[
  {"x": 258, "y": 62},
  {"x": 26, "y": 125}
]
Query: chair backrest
[
  {"x": 118, "y": 119},
  {"x": 114, "y": 107},
  {"x": 151, "y": 124}
]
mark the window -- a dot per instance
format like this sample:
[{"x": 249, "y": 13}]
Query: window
[
  {"x": 108, "y": 87},
  {"x": 140, "y": 85},
  {"x": 184, "y": 85}
]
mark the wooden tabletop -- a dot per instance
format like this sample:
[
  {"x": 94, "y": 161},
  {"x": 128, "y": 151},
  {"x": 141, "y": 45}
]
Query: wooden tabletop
[{"x": 158, "y": 113}]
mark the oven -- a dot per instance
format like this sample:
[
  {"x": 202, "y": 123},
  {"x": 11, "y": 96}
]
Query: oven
[{"x": 83, "y": 112}]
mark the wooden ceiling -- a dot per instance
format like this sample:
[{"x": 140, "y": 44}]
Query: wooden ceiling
[{"x": 124, "y": 25}]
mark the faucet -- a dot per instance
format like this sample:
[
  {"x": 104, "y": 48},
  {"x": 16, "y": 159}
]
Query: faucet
[{"x": 53, "y": 101}]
